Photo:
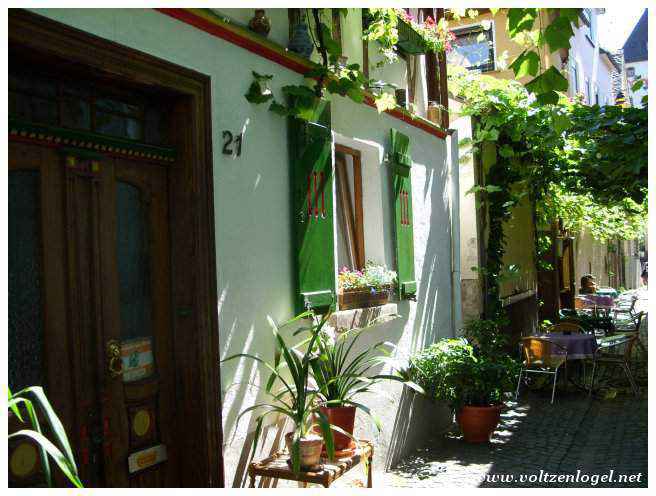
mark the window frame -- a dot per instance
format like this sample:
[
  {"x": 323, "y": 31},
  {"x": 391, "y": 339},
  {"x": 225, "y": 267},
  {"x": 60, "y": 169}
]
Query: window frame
[
  {"x": 575, "y": 78},
  {"x": 492, "y": 51},
  {"x": 357, "y": 211}
]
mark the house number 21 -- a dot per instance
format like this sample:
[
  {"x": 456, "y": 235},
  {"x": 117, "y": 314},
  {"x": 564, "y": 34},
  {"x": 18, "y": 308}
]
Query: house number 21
[{"x": 229, "y": 140}]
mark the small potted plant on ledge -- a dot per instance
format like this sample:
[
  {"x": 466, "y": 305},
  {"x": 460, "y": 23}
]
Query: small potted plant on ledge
[
  {"x": 473, "y": 384},
  {"x": 369, "y": 287},
  {"x": 291, "y": 395}
]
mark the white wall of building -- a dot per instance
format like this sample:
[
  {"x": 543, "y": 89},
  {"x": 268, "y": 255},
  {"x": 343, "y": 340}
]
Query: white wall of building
[
  {"x": 584, "y": 55},
  {"x": 605, "y": 82},
  {"x": 252, "y": 215},
  {"x": 640, "y": 69}
]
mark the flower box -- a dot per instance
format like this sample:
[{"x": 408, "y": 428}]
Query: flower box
[
  {"x": 410, "y": 41},
  {"x": 363, "y": 298}
]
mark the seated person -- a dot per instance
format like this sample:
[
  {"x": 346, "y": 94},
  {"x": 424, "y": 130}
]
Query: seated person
[{"x": 588, "y": 284}]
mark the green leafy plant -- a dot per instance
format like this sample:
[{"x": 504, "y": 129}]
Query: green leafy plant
[
  {"x": 487, "y": 337},
  {"x": 288, "y": 387},
  {"x": 61, "y": 452},
  {"x": 451, "y": 371},
  {"x": 341, "y": 374}
]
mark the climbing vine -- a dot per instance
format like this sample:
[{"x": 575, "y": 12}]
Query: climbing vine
[{"x": 585, "y": 165}]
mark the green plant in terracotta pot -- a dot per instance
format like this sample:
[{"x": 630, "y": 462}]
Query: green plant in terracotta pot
[
  {"x": 342, "y": 374},
  {"x": 473, "y": 384},
  {"x": 291, "y": 394}
]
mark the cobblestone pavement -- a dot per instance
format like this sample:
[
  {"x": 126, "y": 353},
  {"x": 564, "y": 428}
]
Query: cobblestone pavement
[{"x": 593, "y": 436}]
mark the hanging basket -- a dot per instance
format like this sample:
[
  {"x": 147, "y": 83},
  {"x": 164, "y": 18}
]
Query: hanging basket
[{"x": 410, "y": 41}]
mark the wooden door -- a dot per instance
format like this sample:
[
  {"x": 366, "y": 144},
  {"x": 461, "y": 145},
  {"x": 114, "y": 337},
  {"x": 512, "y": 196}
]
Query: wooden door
[{"x": 95, "y": 309}]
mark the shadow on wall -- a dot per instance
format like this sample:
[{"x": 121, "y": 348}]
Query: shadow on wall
[{"x": 417, "y": 417}]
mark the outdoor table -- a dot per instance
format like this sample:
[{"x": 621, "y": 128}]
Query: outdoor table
[
  {"x": 578, "y": 346},
  {"x": 598, "y": 302},
  {"x": 276, "y": 467},
  {"x": 612, "y": 292}
]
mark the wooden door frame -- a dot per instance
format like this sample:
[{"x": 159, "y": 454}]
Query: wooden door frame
[{"x": 193, "y": 260}]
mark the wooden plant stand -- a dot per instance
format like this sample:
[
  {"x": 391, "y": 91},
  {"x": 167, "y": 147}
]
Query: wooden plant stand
[{"x": 276, "y": 467}]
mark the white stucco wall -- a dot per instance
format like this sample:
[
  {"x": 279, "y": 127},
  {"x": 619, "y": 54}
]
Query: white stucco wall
[
  {"x": 472, "y": 304},
  {"x": 605, "y": 82},
  {"x": 253, "y": 236},
  {"x": 641, "y": 69},
  {"x": 584, "y": 53}
]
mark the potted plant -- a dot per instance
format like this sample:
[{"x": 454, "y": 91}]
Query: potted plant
[
  {"x": 341, "y": 375},
  {"x": 291, "y": 395},
  {"x": 473, "y": 384},
  {"x": 365, "y": 288}
]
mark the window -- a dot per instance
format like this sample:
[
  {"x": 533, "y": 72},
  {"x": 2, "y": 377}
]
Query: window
[
  {"x": 575, "y": 79},
  {"x": 589, "y": 25},
  {"x": 350, "y": 226},
  {"x": 587, "y": 91},
  {"x": 596, "y": 95},
  {"x": 85, "y": 106},
  {"x": 473, "y": 48}
]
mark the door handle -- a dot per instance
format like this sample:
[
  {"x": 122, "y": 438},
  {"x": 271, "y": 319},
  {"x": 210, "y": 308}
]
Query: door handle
[{"x": 114, "y": 358}]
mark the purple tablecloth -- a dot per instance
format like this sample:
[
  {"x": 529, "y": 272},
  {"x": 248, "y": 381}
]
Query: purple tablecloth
[
  {"x": 590, "y": 300},
  {"x": 577, "y": 345}
]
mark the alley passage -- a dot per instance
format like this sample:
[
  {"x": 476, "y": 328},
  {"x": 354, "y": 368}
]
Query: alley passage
[
  {"x": 573, "y": 434},
  {"x": 534, "y": 437}
]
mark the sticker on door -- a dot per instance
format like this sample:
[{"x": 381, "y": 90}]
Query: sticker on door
[{"x": 137, "y": 358}]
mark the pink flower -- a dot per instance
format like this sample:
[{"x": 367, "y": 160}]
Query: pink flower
[
  {"x": 407, "y": 17},
  {"x": 429, "y": 21}
]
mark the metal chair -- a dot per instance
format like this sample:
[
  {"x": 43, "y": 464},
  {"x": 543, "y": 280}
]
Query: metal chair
[
  {"x": 630, "y": 310},
  {"x": 602, "y": 356},
  {"x": 538, "y": 358}
]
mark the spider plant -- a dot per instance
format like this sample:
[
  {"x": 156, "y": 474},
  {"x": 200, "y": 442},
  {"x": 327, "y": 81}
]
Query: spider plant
[
  {"x": 62, "y": 454},
  {"x": 342, "y": 375},
  {"x": 289, "y": 389}
]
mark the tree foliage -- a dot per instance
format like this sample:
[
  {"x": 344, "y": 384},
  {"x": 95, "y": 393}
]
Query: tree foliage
[{"x": 585, "y": 165}]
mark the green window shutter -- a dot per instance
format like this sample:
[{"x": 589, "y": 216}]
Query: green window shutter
[
  {"x": 312, "y": 200},
  {"x": 401, "y": 163}
]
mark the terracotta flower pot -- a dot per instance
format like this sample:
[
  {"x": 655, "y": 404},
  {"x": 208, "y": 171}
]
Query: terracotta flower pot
[
  {"x": 309, "y": 449},
  {"x": 344, "y": 418},
  {"x": 478, "y": 422}
]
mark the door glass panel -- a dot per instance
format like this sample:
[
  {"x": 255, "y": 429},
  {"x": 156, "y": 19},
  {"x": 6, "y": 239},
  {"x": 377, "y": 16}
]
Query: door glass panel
[
  {"x": 134, "y": 282},
  {"x": 133, "y": 261},
  {"x": 118, "y": 125},
  {"x": 75, "y": 113},
  {"x": 25, "y": 307}
]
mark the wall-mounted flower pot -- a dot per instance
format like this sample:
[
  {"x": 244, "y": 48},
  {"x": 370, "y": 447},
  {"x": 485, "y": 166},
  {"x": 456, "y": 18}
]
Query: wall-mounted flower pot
[
  {"x": 363, "y": 298},
  {"x": 434, "y": 113},
  {"x": 409, "y": 40},
  {"x": 301, "y": 43},
  {"x": 478, "y": 422},
  {"x": 260, "y": 23},
  {"x": 401, "y": 95}
]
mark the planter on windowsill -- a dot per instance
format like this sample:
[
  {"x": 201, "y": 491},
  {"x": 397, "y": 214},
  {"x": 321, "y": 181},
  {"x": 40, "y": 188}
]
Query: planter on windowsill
[{"x": 363, "y": 298}]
